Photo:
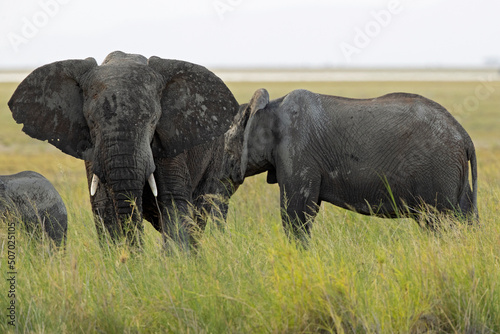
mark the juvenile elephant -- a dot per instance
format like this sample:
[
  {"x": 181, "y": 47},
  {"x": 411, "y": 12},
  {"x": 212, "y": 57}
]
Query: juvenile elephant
[
  {"x": 385, "y": 156},
  {"x": 132, "y": 120},
  {"x": 36, "y": 201}
]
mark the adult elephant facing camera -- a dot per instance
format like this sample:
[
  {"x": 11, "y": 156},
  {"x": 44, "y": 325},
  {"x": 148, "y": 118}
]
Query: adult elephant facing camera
[{"x": 132, "y": 120}]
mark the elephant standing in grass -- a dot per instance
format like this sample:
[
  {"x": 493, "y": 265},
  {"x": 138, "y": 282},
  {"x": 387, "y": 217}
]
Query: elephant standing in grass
[
  {"x": 389, "y": 156},
  {"x": 32, "y": 198},
  {"x": 137, "y": 123}
]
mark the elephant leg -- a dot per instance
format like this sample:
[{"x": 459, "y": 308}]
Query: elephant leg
[
  {"x": 211, "y": 200},
  {"x": 299, "y": 206},
  {"x": 220, "y": 205},
  {"x": 218, "y": 212},
  {"x": 215, "y": 207},
  {"x": 174, "y": 197},
  {"x": 467, "y": 210},
  {"x": 177, "y": 225}
]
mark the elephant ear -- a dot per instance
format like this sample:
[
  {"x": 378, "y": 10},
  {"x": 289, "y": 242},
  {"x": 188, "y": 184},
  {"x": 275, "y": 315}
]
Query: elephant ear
[
  {"x": 196, "y": 105},
  {"x": 259, "y": 101},
  {"x": 49, "y": 102}
]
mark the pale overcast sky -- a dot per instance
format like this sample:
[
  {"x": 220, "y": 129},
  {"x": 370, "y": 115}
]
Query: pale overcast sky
[{"x": 255, "y": 33}]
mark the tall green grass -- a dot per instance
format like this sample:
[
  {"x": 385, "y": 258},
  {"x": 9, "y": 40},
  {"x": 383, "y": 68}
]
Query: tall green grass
[{"x": 358, "y": 275}]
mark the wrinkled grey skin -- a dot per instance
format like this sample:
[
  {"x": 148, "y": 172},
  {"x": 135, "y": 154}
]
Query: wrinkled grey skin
[
  {"x": 35, "y": 200},
  {"x": 128, "y": 118},
  {"x": 346, "y": 151}
]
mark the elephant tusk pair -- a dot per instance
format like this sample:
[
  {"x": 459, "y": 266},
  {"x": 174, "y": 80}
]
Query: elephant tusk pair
[{"x": 95, "y": 182}]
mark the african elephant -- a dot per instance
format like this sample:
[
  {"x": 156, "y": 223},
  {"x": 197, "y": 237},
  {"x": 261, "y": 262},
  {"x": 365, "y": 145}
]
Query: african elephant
[
  {"x": 31, "y": 197},
  {"x": 131, "y": 120},
  {"x": 385, "y": 156}
]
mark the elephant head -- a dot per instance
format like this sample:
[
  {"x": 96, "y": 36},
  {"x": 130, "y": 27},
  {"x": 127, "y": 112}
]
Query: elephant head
[
  {"x": 122, "y": 116},
  {"x": 248, "y": 144}
]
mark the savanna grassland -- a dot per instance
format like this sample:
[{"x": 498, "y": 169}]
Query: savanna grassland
[{"x": 359, "y": 274}]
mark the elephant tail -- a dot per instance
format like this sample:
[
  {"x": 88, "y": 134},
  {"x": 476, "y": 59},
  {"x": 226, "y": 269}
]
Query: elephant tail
[{"x": 471, "y": 156}]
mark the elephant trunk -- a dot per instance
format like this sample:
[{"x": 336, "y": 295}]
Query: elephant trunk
[
  {"x": 126, "y": 182},
  {"x": 126, "y": 176}
]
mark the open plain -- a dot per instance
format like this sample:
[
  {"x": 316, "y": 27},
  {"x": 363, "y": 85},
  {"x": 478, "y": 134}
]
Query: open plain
[{"x": 359, "y": 275}]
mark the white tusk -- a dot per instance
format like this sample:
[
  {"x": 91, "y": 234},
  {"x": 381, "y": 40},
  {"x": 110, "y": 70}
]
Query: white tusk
[
  {"x": 93, "y": 185},
  {"x": 152, "y": 184}
]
